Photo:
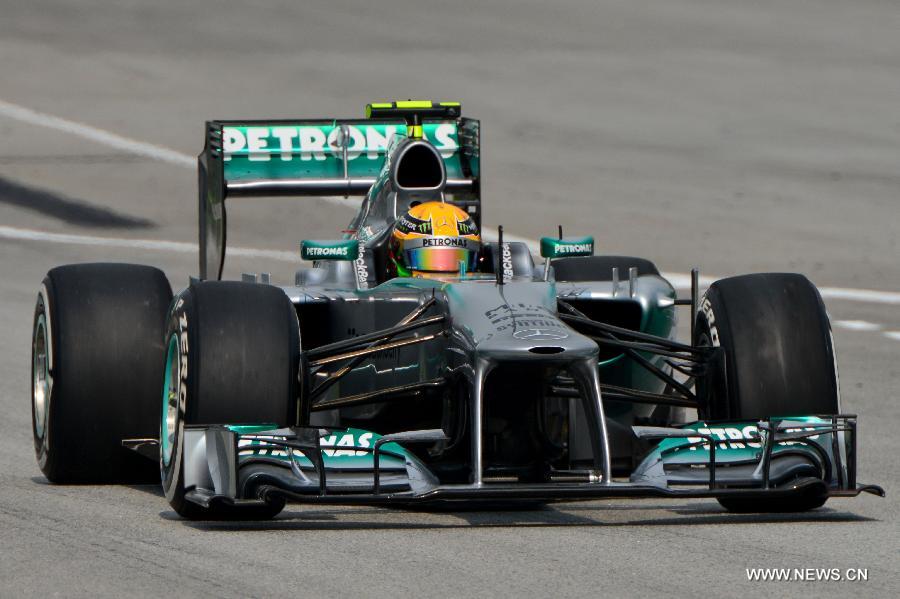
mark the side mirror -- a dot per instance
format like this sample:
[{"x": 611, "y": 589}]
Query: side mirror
[
  {"x": 564, "y": 248},
  {"x": 342, "y": 249}
]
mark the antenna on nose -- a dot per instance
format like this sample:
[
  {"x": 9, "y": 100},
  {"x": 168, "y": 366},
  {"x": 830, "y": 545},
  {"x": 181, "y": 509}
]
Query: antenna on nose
[{"x": 500, "y": 274}]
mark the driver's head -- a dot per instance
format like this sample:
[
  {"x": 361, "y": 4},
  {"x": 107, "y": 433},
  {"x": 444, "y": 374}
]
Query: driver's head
[{"x": 432, "y": 239}]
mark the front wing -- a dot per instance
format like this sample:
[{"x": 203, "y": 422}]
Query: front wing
[{"x": 778, "y": 458}]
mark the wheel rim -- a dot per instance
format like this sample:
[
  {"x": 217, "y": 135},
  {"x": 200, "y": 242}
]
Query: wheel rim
[
  {"x": 40, "y": 389},
  {"x": 169, "y": 418}
]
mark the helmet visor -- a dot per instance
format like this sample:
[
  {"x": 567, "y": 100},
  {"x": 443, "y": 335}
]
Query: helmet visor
[{"x": 439, "y": 259}]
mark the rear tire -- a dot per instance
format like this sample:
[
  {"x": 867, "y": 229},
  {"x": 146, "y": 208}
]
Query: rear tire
[
  {"x": 232, "y": 357},
  {"x": 599, "y": 268},
  {"x": 97, "y": 355},
  {"x": 778, "y": 359}
]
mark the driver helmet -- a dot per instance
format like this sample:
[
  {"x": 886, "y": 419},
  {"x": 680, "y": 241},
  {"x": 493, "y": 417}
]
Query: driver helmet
[{"x": 434, "y": 239}]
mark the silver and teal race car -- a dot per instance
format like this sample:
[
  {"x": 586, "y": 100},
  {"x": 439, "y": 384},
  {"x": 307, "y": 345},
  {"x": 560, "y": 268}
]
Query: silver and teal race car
[{"x": 510, "y": 382}]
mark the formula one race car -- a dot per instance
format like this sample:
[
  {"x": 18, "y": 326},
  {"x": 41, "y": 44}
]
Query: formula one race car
[{"x": 415, "y": 363}]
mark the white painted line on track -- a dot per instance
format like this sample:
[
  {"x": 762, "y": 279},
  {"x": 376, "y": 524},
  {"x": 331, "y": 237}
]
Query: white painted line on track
[
  {"x": 895, "y": 335},
  {"x": 132, "y": 146},
  {"x": 680, "y": 281},
  {"x": 113, "y": 140},
  {"x": 683, "y": 281},
  {"x": 857, "y": 325},
  {"x": 154, "y": 152},
  {"x": 491, "y": 233},
  {"x": 138, "y": 244},
  {"x": 870, "y": 296}
]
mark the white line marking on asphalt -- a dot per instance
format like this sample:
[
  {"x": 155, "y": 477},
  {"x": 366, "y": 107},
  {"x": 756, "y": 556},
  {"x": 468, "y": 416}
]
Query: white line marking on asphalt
[
  {"x": 860, "y": 295},
  {"x": 139, "y": 244},
  {"x": 133, "y": 146},
  {"x": 680, "y": 281},
  {"x": 683, "y": 281},
  {"x": 492, "y": 233},
  {"x": 120, "y": 142},
  {"x": 857, "y": 325},
  {"x": 895, "y": 335}
]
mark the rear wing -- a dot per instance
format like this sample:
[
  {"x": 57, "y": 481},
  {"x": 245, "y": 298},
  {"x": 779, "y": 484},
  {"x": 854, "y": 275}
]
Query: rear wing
[{"x": 317, "y": 157}]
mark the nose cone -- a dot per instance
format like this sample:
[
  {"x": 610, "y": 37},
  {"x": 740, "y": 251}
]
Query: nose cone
[
  {"x": 516, "y": 321},
  {"x": 544, "y": 338}
]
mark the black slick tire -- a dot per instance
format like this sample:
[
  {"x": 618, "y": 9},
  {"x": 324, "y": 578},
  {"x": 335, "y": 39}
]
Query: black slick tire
[
  {"x": 778, "y": 359},
  {"x": 97, "y": 354},
  {"x": 232, "y": 358}
]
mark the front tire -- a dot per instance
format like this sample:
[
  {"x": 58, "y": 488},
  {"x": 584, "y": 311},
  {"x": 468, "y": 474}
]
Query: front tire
[
  {"x": 232, "y": 358},
  {"x": 778, "y": 359}
]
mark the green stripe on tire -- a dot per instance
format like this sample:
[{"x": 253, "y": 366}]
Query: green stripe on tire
[{"x": 169, "y": 417}]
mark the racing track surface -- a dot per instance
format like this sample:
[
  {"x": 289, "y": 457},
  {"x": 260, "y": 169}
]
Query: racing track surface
[{"x": 735, "y": 135}]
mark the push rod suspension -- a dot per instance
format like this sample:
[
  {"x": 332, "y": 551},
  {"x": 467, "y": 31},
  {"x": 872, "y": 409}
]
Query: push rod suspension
[
  {"x": 609, "y": 333},
  {"x": 578, "y": 317},
  {"x": 377, "y": 348},
  {"x": 340, "y": 346}
]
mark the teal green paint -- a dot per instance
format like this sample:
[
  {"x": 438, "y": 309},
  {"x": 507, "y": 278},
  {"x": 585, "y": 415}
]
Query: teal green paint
[
  {"x": 562, "y": 248},
  {"x": 314, "y": 150},
  {"x": 250, "y": 429},
  {"x": 165, "y": 441},
  {"x": 337, "y": 448},
  {"x": 341, "y": 249},
  {"x": 611, "y": 361},
  {"x": 623, "y": 371},
  {"x": 728, "y": 448}
]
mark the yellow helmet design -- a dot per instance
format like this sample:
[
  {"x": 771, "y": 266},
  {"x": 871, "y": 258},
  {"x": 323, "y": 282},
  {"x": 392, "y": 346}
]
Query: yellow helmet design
[{"x": 434, "y": 237}]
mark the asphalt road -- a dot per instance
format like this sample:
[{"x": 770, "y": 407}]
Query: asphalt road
[{"x": 734, "y": 135}]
